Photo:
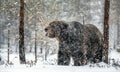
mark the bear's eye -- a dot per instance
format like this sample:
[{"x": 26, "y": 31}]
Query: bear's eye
[{"x": 51, "y": 24}]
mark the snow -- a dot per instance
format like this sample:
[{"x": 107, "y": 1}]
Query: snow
[
  {"x": 51, "y": 65},
  {"x": 49, "y": 68},
  {"x": 115, "y": 55},
  {"x": 55, "y": 68},
  {"x": 66, "y": 12}
]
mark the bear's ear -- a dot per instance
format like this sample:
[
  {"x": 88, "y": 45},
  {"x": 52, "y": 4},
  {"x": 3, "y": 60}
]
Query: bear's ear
[{"x": 63, "y": 25}]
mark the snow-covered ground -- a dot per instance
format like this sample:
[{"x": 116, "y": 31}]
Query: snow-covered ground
[
  {"x": 51, "y": 66},
  {"x": 54, "y": 68}
]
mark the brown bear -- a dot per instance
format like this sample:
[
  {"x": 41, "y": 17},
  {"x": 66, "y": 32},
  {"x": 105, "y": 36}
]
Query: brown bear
[{"x": 84, "y": 43}]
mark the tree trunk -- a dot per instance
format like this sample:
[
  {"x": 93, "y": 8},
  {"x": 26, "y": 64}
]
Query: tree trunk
[
  {"x": 30, "y": 48},
  {"x": 118, "y": 34},
  {"x": 35, "y": 44},
  {"x": 106, "y": 31},
  {"x": 21, "y": 34},
  {"x": 46, "y": 51},
  {"x": 118, "y": 27},
  {"x": 8, "y": 46},
  {"x": 41, "y": 50}
]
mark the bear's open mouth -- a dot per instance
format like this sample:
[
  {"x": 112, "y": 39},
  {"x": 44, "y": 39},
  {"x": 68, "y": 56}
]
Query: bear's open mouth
[{"x": 46, "y": 34}]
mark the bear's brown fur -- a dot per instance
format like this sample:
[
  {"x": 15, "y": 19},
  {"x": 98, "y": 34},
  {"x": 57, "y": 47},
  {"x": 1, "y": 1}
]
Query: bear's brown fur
[{"x": 84, "y": 43}]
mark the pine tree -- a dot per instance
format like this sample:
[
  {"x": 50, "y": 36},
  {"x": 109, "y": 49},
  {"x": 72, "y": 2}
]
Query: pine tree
[
  {"x": 21, "y": 34},
  {"x": 106, "y": 30}
]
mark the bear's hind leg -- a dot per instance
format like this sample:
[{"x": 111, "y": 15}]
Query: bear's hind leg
[{"x": 98, "y": 56}]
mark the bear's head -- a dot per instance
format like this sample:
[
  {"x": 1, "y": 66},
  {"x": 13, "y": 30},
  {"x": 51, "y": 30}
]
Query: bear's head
[{"x": 55, "y": 29}]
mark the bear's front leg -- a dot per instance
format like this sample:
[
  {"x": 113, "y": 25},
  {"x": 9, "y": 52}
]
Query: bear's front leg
[
  {"x": 79, "y": 59},
  {"x": 78, "y": 62},
  {"x": 63, "y": 58}
]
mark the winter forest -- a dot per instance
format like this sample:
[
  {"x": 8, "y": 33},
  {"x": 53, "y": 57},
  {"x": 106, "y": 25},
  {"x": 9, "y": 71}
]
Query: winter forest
[{"x": 59, "y": 35}]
